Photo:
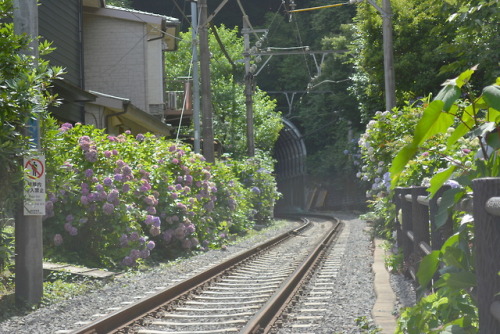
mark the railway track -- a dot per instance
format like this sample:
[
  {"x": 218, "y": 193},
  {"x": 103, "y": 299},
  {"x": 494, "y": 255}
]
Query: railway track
[{"x": 246, "y": 294}]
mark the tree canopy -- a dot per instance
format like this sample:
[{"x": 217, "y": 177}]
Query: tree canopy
[{"x": 228, "y": 99}]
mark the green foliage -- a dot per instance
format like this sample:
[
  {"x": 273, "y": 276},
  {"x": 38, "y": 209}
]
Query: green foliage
[
  {"x": 24, "y": 96},
  {"x": 366, "y": 326},
  {"x": 432, "y": 38},
  {"x": 228, "y": 99},
  {"x": 473, "y": 118},
  {"x": 120, "y": 3}
]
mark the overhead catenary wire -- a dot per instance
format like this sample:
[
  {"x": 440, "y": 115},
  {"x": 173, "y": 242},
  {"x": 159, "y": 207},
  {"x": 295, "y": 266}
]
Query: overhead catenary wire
[{"x": 319, "y": 7}]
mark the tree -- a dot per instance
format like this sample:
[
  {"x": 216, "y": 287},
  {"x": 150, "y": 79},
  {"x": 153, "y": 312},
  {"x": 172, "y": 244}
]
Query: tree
[
  {"x": 24, "y": 95},
  {"x": 430, "y": 40},
  {"x": 228, "y": 92}
]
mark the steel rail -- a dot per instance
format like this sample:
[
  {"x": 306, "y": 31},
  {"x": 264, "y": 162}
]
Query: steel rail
[
  {"x": 263, "y": 321},
  {"x": 126, "y": 316}
]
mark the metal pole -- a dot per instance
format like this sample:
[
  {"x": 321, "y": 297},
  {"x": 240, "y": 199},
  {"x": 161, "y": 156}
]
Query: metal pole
[
  {"x": 248, "y": 89},
  {"x": 28, "y": 228},
  {"x": 390, "y": 86},
  {"x": 196, "y": 82},
  {"x": 206, "y": 101}
]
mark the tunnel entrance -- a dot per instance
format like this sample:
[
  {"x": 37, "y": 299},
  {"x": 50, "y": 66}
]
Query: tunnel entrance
[{"x": 290, "y": 153}]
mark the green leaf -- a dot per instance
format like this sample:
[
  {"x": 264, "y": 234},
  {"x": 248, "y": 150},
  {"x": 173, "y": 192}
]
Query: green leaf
[
  {"x": 464, "y": 77},
  {"x": 428, "y": 267},
  {"x": 459, "y": 132},
  {"x": 449, "y": 94},
  {"x": 454, "y": 329},
  {"x": 400, "y": 160},
  {"x": 491, "y": 95},
  {"x": 430, "y": 116},
  {"x": 451, "y": 242},
  {"x": 448, "y": 200},
  {"x": 484, "y": 129},
  {"x": 458, "y": 280},
  {"x": 439, "y": 179},
  {"x": 493, "y": 140}
]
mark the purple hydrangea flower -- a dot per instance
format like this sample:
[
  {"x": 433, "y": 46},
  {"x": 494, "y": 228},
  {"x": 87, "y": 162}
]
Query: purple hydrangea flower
[
  {"x": 91, "y": 156},
  {"x": 190, "y": 229},
  {"x": 120, "y": 163},
  {"x": 140, "y": 137},
  {"x": 180, "y": 232},
  {"x": 118, "y": 177},
  {"x": 113, "y": 195},
  {"x": 89, "y": 173},
  {"x": 108, "y": 208},
  {"x": 145, "y": 253},
  {"x": 58, "y": 239},
  {"x": 135, "y": 254},
  {"x": 107, "y": 154},
  {"x": 123, "y": 240},
  {"x": 150, "y": 245},
  {"x": 49, "y": 206},
  {"x": 126, "y": 187},
  {"x": 154, "y": 230},
  {"x": 128, "y": 261},
  {"x": 73, "y": 231},
  {"x": 167, "y": 236},
  {"x": 65, "y": 127},
  {"x": 107, "y": 181},
  {"x": 256, "y": 190},
  {"x": 186, "y": 244},
  {"x": 134, "y": 236}
]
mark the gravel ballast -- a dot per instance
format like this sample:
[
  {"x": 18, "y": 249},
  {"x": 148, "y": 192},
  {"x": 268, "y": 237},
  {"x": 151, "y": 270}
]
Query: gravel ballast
[{"x": 353, "y": 296}]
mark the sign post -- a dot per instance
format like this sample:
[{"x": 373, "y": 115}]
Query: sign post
[{"x": 28, "y": 220}]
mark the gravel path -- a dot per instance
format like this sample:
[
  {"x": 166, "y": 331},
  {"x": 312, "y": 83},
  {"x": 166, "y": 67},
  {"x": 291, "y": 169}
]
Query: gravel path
[{"x": 352, "y": 299}]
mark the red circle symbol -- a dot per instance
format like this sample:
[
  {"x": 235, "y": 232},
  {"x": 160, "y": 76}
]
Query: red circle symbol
[{"x": 35, "y": 168}]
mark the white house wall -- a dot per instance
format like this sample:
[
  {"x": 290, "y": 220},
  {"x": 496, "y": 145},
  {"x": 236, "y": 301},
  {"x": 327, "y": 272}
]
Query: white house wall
[
  {"x": 115, "y": 58},
  {"x": 154, "y": 61}
]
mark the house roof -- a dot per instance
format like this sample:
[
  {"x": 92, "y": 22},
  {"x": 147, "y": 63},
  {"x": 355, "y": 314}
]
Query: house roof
[{"x": 124, "y": 109}]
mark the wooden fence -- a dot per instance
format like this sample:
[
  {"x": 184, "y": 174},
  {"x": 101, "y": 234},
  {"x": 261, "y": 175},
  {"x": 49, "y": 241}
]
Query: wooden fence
[{"x": 418, "y": 236}]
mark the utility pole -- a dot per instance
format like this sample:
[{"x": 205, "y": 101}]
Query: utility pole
[
  {"x": 28, "y": 222},
  {"x": 389, "y": 77},
  {"x": 390, "y": 86},
  {"x": 248, "y": 89},
  {"x": 196, "y": 82},
  {"x": 206, "y": 101}
]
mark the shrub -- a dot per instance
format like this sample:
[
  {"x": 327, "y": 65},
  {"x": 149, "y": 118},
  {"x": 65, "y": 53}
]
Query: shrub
[{"x": 115, "y": 200}]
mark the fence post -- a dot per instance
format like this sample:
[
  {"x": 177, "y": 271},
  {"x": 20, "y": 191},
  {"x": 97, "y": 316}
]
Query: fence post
[
  {"x": 420, "y": 221},
  {"x": 438, "y": 236},
  {"x": 397, "y": 223},
  {"x": 406, "y": 225},
  {"x": 487, "y": 243}
]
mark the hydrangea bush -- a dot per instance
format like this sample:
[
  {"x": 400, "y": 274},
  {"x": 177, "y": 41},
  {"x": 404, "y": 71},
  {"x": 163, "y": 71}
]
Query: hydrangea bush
[
  {"x": 386, "y": 134},
  {"x": 115, "y": 200}
]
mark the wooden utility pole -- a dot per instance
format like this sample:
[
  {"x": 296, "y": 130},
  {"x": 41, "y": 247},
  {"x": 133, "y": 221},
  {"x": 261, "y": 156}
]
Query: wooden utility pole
[
  {"x": 248, "y": 89},
  {"x": 28, "y": 225},
  {"x": 206, "y": 101}
]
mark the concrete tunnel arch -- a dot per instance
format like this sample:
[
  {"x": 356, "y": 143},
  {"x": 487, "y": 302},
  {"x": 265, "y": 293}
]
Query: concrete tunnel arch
[{"x": 290, "y": 154}]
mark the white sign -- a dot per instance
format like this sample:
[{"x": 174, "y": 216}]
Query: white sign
[{"x": 34, "y": 185}]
